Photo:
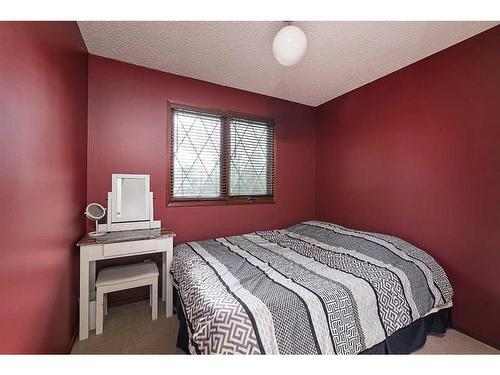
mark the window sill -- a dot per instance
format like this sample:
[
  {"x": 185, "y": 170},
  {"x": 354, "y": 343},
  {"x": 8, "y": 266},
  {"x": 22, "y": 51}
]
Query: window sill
[{"x": 214, "y": 202}]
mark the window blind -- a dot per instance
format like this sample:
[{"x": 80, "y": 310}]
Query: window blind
[
  {"x": 251, "y": 157},
  {"x": 196, "y": 154}
]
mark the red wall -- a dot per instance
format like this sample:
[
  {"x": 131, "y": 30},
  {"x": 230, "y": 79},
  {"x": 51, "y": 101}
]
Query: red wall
[
  {"x": 417, "y": 154},
  {"x": 43, "y": 106},
  {"x": 127, "y": 124}
]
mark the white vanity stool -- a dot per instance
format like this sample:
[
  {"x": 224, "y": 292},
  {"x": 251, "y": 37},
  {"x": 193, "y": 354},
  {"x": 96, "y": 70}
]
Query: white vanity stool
[{"x": 113, "y": 279}]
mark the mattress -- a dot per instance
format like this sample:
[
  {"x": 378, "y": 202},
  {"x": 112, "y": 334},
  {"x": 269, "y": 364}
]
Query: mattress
[{"x": 313, "y": 288}]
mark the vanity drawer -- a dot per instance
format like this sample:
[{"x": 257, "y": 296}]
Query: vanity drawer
[{"x": 131, "y": 247}]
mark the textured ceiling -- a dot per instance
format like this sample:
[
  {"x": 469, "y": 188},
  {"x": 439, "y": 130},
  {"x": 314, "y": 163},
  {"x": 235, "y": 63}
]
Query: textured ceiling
[{"x": 340, "y": 57}]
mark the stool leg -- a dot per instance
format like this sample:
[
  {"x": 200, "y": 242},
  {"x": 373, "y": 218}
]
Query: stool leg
[
  {"x": 106, "y": 304},
  {"x": 154, "y": 297},
  {"x": 99, "y": 316},
  {"x": 150, "y": 295}
]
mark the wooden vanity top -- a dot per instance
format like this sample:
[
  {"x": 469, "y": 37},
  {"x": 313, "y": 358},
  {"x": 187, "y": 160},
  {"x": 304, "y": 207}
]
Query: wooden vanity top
[{"x": 125, "y": 236}]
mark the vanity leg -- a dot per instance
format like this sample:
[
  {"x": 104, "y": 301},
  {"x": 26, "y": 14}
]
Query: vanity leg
[
  {"x": 84, "y": 294},
  {"x": 163, "y": 275},
  {"x": 168, "y": 284},
  {"x": 92, "y": 277}
]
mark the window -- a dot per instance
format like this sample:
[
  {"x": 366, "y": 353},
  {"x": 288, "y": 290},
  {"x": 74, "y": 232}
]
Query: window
[
  {"x": 251, "y": 145},
  {"x": 220, "y": 157},
  {"x": 197, "y": 155}
]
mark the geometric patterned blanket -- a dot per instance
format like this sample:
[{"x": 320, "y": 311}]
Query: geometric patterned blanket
[{"x": 313, "y": 288}]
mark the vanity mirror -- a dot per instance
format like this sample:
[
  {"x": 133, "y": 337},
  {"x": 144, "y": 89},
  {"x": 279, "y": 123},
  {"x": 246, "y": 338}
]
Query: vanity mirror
[
  {"x": 95, "y": 212},
  {"x": 130, "y": 193}
]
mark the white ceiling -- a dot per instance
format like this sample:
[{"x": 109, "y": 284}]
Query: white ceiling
[{"x": 340, "y": 57}]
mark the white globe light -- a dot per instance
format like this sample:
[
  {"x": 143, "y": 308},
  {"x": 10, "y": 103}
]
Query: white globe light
[{"x": 289, "y": 45}]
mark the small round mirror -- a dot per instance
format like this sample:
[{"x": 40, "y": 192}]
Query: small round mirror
[{"x": 95, "y": 212}]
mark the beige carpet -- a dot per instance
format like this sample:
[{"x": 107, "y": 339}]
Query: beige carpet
[{"x": 128, "y": 329}]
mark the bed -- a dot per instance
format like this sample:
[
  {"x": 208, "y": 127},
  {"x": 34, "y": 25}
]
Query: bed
[{"x": 313, "y": 288}]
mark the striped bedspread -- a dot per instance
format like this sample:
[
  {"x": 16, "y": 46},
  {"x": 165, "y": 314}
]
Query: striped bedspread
[{"x": 315, "y": 287}]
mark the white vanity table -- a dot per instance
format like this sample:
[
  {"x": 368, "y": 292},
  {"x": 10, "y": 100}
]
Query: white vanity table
[
  {"x": 131, "y": 230},
  {"x": 117, "y": 245}
]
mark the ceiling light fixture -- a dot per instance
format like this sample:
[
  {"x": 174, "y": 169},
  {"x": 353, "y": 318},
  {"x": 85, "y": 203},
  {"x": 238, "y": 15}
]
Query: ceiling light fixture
[{"x": 289, "y": 45}]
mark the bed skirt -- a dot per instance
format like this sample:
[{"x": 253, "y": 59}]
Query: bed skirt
[{"x": 404, "y": 341}]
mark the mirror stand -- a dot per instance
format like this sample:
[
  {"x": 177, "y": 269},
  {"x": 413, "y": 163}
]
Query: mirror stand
[{"x": 116, "y": 223}]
